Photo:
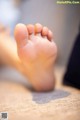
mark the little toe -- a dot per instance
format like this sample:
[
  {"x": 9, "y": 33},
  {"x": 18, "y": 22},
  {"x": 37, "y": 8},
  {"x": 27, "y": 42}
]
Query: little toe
[
  {"x": 45, "y": 32},
  {"x": 50, "y": 35},
  {"x": 21, "y": 34}
]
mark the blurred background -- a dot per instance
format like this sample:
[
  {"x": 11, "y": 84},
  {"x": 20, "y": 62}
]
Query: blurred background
[{"x": 63, "y": 20}]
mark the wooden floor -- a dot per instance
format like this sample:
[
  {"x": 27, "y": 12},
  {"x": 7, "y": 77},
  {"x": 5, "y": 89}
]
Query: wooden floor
[{"x": 24, "y": 104}]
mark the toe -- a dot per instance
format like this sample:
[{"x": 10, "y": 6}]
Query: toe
[
  {"x": 38, "y": 28},
  {"x": 50, "y": 35},
  {"x": 21, "y": 34},
  {"x": 30, "y": 29},
  {"x": 44, "y": 31}
]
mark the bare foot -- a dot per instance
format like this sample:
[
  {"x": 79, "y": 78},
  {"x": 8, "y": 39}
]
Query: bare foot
[{"x": 38, "y": 52}]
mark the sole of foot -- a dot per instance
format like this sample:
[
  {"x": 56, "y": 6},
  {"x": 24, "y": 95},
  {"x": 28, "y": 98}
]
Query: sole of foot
[{"x": 37, "y": 52}]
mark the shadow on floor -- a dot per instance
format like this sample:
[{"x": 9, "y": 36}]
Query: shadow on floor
[{"x": 42, "y": 98}]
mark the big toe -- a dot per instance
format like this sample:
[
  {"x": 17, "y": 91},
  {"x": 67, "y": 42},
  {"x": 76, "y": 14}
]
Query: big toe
[{"x": 21, "y": 34}]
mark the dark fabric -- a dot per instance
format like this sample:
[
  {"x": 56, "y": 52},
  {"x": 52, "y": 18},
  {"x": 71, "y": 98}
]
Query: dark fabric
[{"x": 72, "y": 75}]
